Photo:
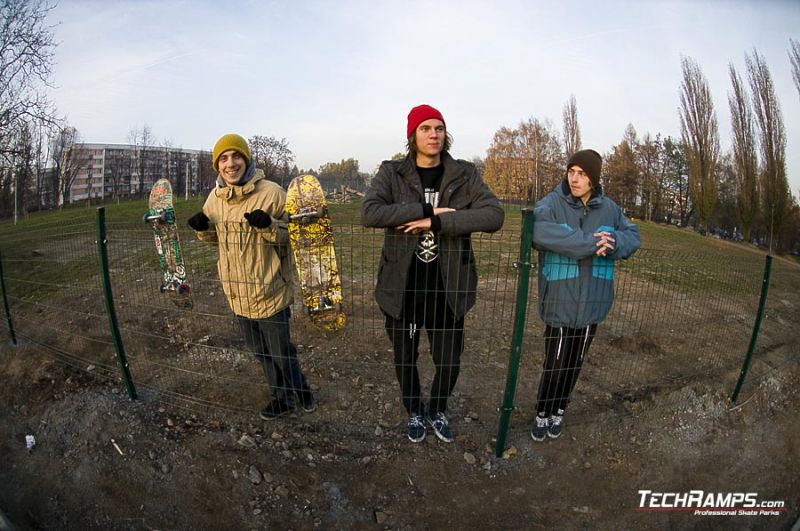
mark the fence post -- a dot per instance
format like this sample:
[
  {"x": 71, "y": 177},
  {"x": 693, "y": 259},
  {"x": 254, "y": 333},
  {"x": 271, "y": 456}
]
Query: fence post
[
  {"x": 520, "y": 313},
  {"x": 5, "y": 303},
  {"x": 109, "y": 299},
  {"x": 754, "y": 336}
]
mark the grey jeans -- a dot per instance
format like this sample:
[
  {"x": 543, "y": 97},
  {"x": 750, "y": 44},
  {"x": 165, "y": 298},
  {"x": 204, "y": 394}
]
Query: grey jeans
[{"x": 271, "y": 343}]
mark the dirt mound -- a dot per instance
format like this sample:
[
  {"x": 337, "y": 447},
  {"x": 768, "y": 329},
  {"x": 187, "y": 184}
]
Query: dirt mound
[{"x": 104, "y": 462}]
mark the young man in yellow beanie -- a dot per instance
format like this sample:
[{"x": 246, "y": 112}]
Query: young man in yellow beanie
[
  {"x": 244, "y": 215},
  {"x": 429, "y": 203}
]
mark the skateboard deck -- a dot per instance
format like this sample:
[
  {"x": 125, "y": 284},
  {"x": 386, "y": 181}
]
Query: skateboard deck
[
  {"x": 311, "y": 237},
  {"x": 161, "y": 217}
]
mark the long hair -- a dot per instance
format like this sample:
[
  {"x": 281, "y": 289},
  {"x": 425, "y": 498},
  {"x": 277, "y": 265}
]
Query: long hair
[{"x": 411, "y": 145}]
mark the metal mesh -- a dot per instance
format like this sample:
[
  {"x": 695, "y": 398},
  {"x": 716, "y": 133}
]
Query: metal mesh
[{"x": 676, "y": 316}]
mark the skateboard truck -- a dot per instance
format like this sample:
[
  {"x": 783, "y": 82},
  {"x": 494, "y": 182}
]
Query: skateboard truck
[
  {"x": 164, "y": 217},
  {"x": 307, "y": 216},
  {"x": 175, "y": 285},
  {"x": 323, "y": 304}
]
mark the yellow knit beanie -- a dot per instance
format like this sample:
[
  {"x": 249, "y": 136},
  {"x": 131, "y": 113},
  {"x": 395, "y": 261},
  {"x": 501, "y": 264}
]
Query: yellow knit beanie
[{"x": 228, "y": 142}]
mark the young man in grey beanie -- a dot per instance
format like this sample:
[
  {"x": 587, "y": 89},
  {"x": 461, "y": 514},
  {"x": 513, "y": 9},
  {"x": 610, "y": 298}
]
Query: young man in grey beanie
[
  {"x": 429, "y": 203},
  {"x": 579, "y": 233}
]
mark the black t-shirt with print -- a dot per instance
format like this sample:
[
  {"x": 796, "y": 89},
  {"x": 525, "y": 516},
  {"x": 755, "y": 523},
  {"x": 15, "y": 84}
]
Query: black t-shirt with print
[{"x": 424, "y": 280}]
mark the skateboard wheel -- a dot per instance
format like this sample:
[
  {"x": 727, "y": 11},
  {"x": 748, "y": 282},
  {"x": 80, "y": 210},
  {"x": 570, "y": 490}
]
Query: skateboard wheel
[{"x": 183, "y": 288}]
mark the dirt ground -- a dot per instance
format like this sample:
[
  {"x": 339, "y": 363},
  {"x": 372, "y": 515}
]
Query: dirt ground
[
  {"x": 164, "y": 461},
  {"x": 104, "y": 462}
]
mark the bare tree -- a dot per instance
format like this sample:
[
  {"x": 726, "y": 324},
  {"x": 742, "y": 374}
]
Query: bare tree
[
  {"x": 26, "y": 173},
  {"x": 205, "y": 172},
  {"x": 572, "y": 131},
  {"x": 142, "y": 141},
  {"x": 17, "y": 167},
  {"x": 119, "y": 166},
  {"x": 180, "y": 164},
  {"x": 700, "y": 139},
  {"x": 26, "y": 60},
  {"x": 774, "y": 186},
  {"x": 745, "y": 159},
  {"x": 68, "y": 159},
  {"x": 794, "y": 57},
  {"x": 42, "y": 158},
  {"x": 273, "y": 156}
]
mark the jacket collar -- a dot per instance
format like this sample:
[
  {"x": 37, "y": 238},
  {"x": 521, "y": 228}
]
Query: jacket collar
[
  {"x": 452, "y": 170},
  {"x": 566, "y": 194}
]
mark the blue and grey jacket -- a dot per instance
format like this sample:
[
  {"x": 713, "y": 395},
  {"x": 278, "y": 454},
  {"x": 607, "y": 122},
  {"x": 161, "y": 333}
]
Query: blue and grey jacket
[{"x": 576, "y": 287}]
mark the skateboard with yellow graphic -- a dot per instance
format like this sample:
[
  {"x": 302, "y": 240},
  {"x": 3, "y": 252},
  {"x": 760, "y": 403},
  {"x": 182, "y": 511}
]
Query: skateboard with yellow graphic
[
  {"x": 161, "y": 217},
  {"x": 311, "y": 236}
]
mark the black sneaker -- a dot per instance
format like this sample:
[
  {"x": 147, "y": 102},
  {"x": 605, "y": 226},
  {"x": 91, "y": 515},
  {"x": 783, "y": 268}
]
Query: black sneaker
[
  {"x": 554, "y": 424},
  {"x": 276, "y": 408},
  {"x": 307, "y": 401},
  {"x": 416, "y": 428},
  {"x": 540, "y": 428},
  {"x": 441, "y": 427}
]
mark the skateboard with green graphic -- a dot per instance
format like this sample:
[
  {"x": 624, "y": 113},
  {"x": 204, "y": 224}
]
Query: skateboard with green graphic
[{"x": 161, "y": 217}]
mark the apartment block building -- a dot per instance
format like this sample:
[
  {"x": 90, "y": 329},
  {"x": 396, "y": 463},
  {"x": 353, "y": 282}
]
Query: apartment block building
[{"x": 121, "y": 170}]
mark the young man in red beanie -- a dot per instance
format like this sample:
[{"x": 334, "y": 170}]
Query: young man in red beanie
[
  {"x": 428, "y": 203},
  {"x": 579, "y": 232},
  {"x": 244, "y": 216}
]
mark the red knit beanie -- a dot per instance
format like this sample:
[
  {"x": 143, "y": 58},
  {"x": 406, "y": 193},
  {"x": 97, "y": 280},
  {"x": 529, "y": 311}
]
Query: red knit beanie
[{"x": 419, "y": 114}]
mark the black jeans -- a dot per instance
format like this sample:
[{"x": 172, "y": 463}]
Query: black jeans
[
  {"x": 446, "y": 337},
  {"x": 270, "y": 342},
  {"x": 565, "y": 350}
]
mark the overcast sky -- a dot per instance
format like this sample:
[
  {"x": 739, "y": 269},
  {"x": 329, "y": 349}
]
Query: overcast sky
[{"x": 337, "y": 78}]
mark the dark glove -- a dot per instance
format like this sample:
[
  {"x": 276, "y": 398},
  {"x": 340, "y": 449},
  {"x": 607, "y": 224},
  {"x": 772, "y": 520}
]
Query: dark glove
[
  {"x": 199, "y": 222},
  {"x": 258, "y": 219}
]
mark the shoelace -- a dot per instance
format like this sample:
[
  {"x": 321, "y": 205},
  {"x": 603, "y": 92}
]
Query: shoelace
[
  {"x": 440, "y": 420},
  {"x": 416, "y": 420}
]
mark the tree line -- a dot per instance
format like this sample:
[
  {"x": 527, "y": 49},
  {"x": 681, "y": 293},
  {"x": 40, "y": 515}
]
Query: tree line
[
  {"x": 741, "y": 194},
  {"x": 685, "y": 180}
]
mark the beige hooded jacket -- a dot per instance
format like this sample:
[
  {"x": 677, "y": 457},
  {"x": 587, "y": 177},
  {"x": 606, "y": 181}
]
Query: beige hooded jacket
[{"x": 255, "y": 265}]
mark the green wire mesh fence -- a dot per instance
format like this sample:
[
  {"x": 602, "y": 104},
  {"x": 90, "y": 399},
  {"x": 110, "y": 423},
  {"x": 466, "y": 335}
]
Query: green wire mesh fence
[{"x": 677, "y": 316}]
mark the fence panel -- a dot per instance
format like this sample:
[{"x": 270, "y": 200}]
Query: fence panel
[{"x": 677, "y": 316}]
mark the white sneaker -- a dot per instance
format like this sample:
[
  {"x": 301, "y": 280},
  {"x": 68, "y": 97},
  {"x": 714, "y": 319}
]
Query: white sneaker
[
  {"x": 539, "y": 429},
  {"x": 554, "y": 429}
]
